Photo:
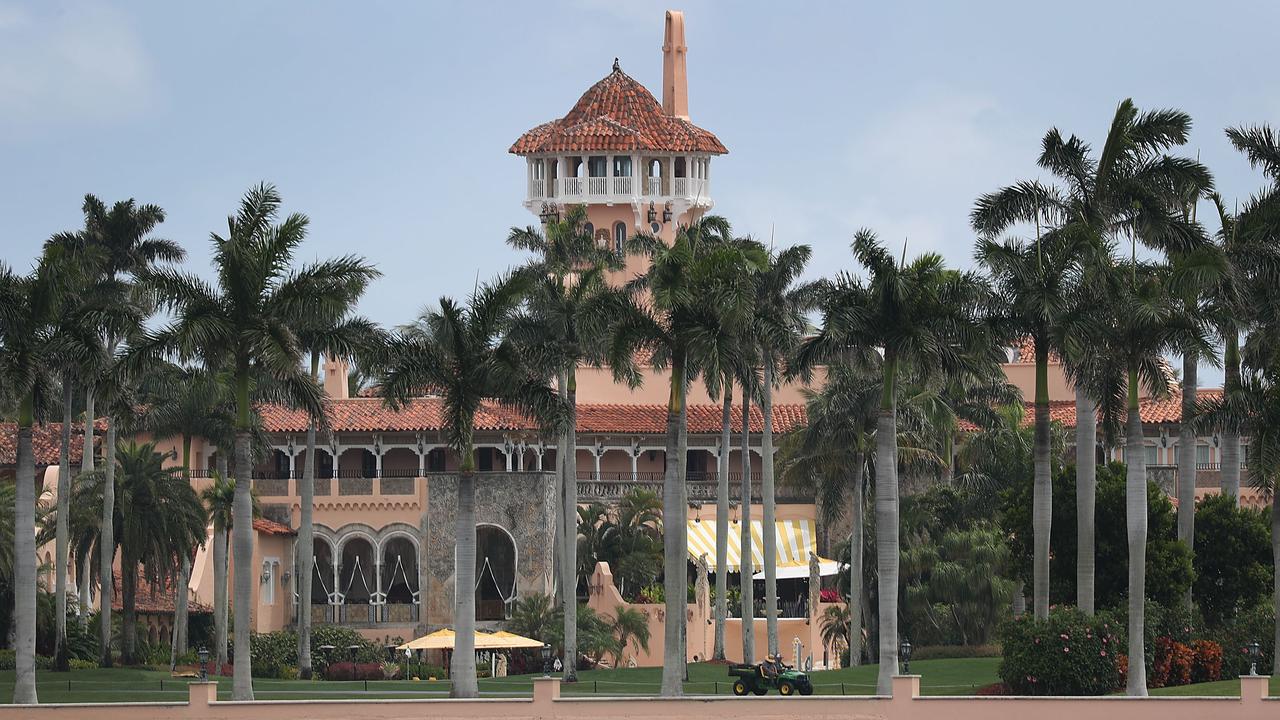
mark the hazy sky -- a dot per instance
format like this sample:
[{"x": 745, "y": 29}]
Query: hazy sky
[{"x": 389, "y": 123}]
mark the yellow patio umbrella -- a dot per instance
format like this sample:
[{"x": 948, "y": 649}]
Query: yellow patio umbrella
[
  {"x": 438, "y": 640},
  {"x": 503, "y": 640}
]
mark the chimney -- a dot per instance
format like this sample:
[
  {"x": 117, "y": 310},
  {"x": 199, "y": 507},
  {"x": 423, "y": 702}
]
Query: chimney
[
  {"x": 335, "y": 378},
  {"x": 675, "y": 81}
]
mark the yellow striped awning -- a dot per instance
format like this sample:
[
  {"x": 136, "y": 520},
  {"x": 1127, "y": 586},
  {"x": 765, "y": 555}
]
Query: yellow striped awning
[{"x": 794, "y": 539}]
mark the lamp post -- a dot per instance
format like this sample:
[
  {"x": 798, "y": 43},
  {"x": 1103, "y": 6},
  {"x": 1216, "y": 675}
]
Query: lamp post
[
  {"x": 203, "y": 654},
  {"x": 546, "y": 660},
  {"x": 1255, "y": 652},
  {"x": 905, "y": 651}
]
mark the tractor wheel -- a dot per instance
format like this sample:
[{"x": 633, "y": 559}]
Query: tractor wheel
[
  {"x": 740, "y": 688},
  {"x": 786, "y": 689},
  {"x": 806, "y": 689},
  {"x": 762, "y": 690}
]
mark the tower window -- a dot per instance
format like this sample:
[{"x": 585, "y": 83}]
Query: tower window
[
  {"x": 622, "y": 166},
  {"x": 597, "y": 166},
  {"x": 589, "y": 229},
  {"x": 619, "y": 237}
]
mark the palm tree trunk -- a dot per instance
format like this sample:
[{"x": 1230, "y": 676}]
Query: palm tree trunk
[
  {"x": 569, "y": 577},
  {"x": 219, "y": 598},
  {"x": 1275, "y": 563},
  {"x": 1230, "y": 441},
  {"x": 242, "y": 548},
  {"x": 62, "y": 538},
  {"x": 306, "y": 541},
  {"x": 221, "y": 539},
  {"x": 24, "y": 561},
  {"x": 682, "y": 472},
  {"x": 887, "y": 527},
  {"x": 128, "y": 606},
  {"x": 1136, "y": 515},
  {"x": 673, "y": 566},
  {"x": 180, "y": 589},
  {"x": 770, "y": 508},
  {"x": 855, "y": 564},
  {"x": 86, "y": 459},
  {"x": 722, "y": 519},
  {"x": 746, "y": 567},
  {"x": 563, "y": 450},
  {"x": 1086, "y": 495},
  {"x": 462, "y": 671},
  {"x": 82, "y": 586},
  {"x": 1042, "y": 500},
  {"x": 107, "y": 543},
  {"x": 1186, "y": 456}
]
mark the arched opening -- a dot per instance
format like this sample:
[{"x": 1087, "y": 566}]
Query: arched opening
[
  {"x": 324, "y": 464},
  {"x": 357, "y": 581},
  {"x": 368, "y": 464},
  {"x": 495, "y": 572},
  {"x": 619, "y": 237},
  {"x": 279, "y": 464},
  {"x": 321, "y": 572},
  {"x": 589, "y": 229},
  {"x": 400, "y": 580}
]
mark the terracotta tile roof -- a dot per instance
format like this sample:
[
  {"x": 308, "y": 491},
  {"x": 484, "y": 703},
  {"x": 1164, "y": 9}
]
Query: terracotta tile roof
[
  {"x": 271, "y": 527},
  {"x": 153, "y": 599},
  {"x": 46, "y": 440},
  {"x": 652, "y": 419},
  {"x": 617, "y": 113},
  {"x": 371, "y": 415},
  {"x": 1154, "y": 411}
]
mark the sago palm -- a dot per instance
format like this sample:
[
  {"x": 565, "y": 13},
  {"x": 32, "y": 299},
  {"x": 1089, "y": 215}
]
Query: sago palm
[{"x": 466, "y": 354}]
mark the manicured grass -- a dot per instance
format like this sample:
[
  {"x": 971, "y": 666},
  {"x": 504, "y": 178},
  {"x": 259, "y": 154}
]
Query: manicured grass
[
  {"x": 939, "y": 677},
  {"x": 1228, "y": 688}
]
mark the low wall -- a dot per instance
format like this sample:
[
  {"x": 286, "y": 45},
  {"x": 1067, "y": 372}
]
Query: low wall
[{"x": 546, "y": 704}]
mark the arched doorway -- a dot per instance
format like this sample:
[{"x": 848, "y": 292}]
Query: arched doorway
[
  {"x": 495, "y": 572},
  {"x": 400, "y": 580},
  {"x": 357, "y": 581},
  {"x": 321, "y": 581}
]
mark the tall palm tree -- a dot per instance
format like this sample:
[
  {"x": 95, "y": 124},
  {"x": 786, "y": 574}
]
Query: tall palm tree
[
  {"x": 219, "y": 502},
  {"x": 245, "y": 323},
  {"x": 467, "y": 354},
  {"x": 160, "y": 521},
  {"x": 776, "y": 324},
  {"x": 28, "y": 310},
  {"x": 923, "y": 315},
  {"x": 570, "y": 304},
  {"x": 689, "y": 288},
  {"x": 353, "y": 338},
  {"x": 1035, "y": 283},
  {"x": 1128, "y": 186}
]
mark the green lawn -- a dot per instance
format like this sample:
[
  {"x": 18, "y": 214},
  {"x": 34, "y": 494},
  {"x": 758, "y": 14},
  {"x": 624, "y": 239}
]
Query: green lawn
[{"x": 940, "y": 677}]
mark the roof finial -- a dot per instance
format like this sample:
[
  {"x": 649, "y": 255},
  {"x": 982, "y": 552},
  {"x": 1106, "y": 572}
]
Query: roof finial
[{"x": 615, "y": 65}]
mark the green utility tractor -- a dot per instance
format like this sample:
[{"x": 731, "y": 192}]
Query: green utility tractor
[{"x": 757, "y": 679}]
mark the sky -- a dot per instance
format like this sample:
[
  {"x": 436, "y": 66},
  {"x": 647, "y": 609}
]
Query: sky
[{"x": 388, "y": 124}]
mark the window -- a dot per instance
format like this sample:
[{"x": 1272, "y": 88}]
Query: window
[
  {"x": 484, "y": 458},
  {"x": 655, "y": 228},
  {"x": 695, "y": 461},
  {"x": 679, "y": 170},
  {"x": 324, "y": 465},
  {"x": 597, "y": 166},
  {"x": 1202, "y": 454},
  {"x": 619, "y": 237},
  {"x": 1151, "y": 454},
  {"x": 622, "y": 166},
  {"x": 589, "y": 229},
  {"x": 282, "y": 464},
  {"x": 435, "y": 460},
  {"x": 368, "y": 464}
]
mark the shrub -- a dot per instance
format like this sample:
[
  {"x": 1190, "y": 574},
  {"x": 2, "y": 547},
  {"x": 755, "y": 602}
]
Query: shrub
[
  {"x": 272, "y": 652},
  {"x": 1237, "y": 634},
  {"x": 1232, "y": 559},
  {"x": 390, "y": 670},
  {"x": 1172, "y": 664},
  {"x": 935, "y": 652},
  {"x": 1207, "y": 666},
  {"x": 1069, "y": 653},
  {"x": 7, "y": 658},
  {"x": 342, "y": 638},
  {"x": 78, "y": 664},
  {"x": 45, "y": 662}
]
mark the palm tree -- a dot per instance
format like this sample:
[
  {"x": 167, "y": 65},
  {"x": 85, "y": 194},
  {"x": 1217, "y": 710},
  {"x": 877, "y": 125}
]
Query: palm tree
[
  {"x": 28, "y": 310},
  {"x": 776, "y": 324},
  {"x": 160, "y": 521},
  {"x": 344, "y": 336},
  {"x": 219, "y": 501},
  {"x": 831, "y": 453},
  {"x": 1035, "y": 283},
  {"x": 691, "y": 286},
  {"x": 245, "y": 323},
  {"x": 186, "y": 403},
  {"x": 570, "y": 304},
  {"x": 466, "y": 353},
  {"x": 629, "y": 626},
  {"x": 1127, "y": 187},
  {"x": 922, "y": 315}
]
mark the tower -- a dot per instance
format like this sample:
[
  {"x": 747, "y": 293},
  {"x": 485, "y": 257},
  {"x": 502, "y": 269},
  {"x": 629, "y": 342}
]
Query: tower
[{"x": 636, "y": 164}]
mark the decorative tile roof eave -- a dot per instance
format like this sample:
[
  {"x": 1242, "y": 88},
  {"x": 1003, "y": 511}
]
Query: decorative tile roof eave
[
  {"x": 617, "y": 114},
  {"x": 46, "y": 442}
]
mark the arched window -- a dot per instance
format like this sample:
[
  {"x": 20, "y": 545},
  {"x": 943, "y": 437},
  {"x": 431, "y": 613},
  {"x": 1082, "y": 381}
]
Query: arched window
[
  {"x": 619, "y": 236},
  {"x": 589, "y": 229},
  {"x": 495, "y": 572}
]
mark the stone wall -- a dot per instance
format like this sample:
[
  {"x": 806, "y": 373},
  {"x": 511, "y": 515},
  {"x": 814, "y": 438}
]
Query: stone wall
[{"x": 523, "y": 504}]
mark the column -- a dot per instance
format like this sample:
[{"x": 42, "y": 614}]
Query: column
[
  {"x": 597, "y": 451},
  {"x": 521, "y": 448},
  {"x": 507, "y": 445},
  {"x": 422, "y": 455},
  {"x": 634, "y": 452}
]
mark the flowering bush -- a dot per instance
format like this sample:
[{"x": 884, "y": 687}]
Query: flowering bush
[
  {"x": 829, "y": 595},
  {"x": 1207, "y": 666},
  {"x": 1069, "y": 653},
  {"x": 1172, "y": 664}
]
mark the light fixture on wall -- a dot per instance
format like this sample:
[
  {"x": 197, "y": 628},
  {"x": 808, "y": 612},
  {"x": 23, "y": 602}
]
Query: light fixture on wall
[
  {"x": 285, "y": 577},
  {"x": 266, "y": 572},
  {"x": 666, "y": 212},
  {"x": 652, "y": 215},
  {"x": 550, "y": 213}
]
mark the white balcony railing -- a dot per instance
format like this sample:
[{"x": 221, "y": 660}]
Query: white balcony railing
[
  {"x": 618, "y": 189},
  {"x": 653, "y": 186}
]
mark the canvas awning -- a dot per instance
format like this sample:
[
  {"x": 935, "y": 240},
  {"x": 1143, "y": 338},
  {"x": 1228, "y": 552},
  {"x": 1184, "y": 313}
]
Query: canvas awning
[
  {"x": 443, "y": 640},
  {"x": 794, "y": 539}
]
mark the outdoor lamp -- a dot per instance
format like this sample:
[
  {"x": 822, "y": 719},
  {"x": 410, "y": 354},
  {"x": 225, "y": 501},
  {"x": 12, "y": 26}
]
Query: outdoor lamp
[
  {"x": 905, "y": 651},
  {"x": 549, "y": 213},
  {"x": 546, "y": 660},
  {"x": 203, "y": 654},
  {"x": 666, "y": 212},
  {"x": 354, "y": 649},
  {"x": 1255, "y": 652},
  {"x": 652, "y": 215}
]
